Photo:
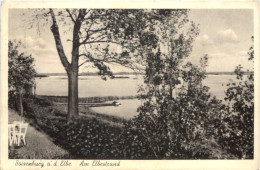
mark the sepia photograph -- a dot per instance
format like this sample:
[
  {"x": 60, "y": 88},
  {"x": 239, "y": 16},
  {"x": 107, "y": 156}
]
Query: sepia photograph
[{"x": 110, "y": 84}]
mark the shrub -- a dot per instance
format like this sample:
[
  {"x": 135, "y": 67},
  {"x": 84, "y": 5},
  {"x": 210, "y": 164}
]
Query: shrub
[
  {"x": 239, "y": 136},
  {"x": 92, "y": 139},
  {"x": 21, "y": 75}
]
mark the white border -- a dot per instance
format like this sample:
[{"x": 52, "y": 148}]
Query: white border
[{"x": 130, "y": 164}]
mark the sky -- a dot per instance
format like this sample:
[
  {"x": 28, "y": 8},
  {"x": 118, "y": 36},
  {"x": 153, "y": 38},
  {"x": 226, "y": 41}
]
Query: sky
[{"x": 225, "y": 36}]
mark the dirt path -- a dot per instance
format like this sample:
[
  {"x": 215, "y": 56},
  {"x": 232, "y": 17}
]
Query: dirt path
[{"x": 38, "y": 144}]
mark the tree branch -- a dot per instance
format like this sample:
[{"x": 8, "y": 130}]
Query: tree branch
[
  {"x": 56, "y": 34},
  {"x": 83, "y": 63},
  {"x": 87, "y": 36},
  {"x": 73, "y": 20},
  {"x": 95, "y": 17},
  {"x": 75, "y": 42},
  {"x": 92, "y": 33},
  {"x": 109, "y": 59},
  {"x": 108, "y": 41}
]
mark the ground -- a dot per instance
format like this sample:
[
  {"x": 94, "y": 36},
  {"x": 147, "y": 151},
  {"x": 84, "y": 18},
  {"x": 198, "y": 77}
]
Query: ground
[{"x": 38, "y": 144}]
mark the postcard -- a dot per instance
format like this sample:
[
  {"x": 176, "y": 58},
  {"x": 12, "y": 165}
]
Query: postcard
[{"x": 130, "y": 85}]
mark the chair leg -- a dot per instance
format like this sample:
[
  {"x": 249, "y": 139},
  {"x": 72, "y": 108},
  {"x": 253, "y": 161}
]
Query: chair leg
[
  {"x": 19, "y": 139},
  {"x": 10, "y": 140},
  {"x": 24, "y": 140},
  {"x": 14, "y": 140}
]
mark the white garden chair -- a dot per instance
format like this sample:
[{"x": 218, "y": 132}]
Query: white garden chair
[
  {"x": 17, "y": 123},
  {"x": 20, "y": 132},
  {"x": 11, "y": 134}
]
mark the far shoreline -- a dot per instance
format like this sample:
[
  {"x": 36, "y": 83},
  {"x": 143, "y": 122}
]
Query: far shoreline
[{"x": 125, "y": 74}]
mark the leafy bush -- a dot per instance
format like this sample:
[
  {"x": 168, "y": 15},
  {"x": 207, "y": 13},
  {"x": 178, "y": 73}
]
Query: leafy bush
[
  {"x": 192, "y": 124},
  {"x": 84, "y": 137},
  {"x": 177, "y": 127},
  {"x": 21, "y": 75},
  {"x": 92, "y": 139},
  {"x": 238, "y": 138}
]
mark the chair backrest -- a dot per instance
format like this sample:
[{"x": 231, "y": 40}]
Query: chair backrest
[
  {"x": 23, "y": 128},
  {"x": 11, "y": 127},
  {"x": 18, "y": 122}
]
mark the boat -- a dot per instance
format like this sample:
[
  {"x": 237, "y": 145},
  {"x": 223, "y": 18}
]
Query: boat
[{"x": 115, "y": 103}]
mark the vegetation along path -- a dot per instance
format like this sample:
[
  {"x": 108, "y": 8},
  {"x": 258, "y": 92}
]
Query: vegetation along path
[{"x": 38, "y": 144}]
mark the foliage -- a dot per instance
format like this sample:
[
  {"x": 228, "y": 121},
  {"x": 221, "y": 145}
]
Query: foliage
[
  {"x": 21, "y": 72},
  {"x": 178, "y": 119},
  {"x": 100, "y": 37},
  {"x": 113, "y": 36},
  {"x": 83, "y": 137},
  {"x": 192, "y": 124},
  {"x": 239, "y": 138},
  {"x": 171, "y": 125},
  {"x": 92, "y": 139},
  {"x": 180, "y": 127}
]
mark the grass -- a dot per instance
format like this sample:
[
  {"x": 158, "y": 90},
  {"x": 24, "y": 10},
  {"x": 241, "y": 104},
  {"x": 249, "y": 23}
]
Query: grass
[
  {"x": 112, "y": 120},
  {"x": 50, "y": 118},
  {"x": 38, "y": 144},
  {"x": 87, "y": 112}
]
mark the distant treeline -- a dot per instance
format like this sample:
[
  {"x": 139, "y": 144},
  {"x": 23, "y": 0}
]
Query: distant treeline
[
  {"x": 87, "y": 74},
  {"x": 127, "y": 73},
  {"x": 64, "y": 99},
  {"x": 226, "y": 73},
  {"x": 41, "y": 75}
]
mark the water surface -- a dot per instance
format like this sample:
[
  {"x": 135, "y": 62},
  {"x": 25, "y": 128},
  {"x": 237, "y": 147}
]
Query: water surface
[{"x": 90, "y": 86}]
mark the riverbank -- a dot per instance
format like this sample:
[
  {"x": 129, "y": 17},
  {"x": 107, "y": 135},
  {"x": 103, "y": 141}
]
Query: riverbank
[
  {"x": 97, "y": 136},
  {"x": 89, "y": 136},
  {"x": 64, "y": 99}
]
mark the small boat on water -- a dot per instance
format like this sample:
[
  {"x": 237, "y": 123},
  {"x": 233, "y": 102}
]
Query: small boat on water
[{"x": 115, "y": 103}]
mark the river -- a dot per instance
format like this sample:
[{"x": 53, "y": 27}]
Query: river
[{"x": 90, "y": 86}]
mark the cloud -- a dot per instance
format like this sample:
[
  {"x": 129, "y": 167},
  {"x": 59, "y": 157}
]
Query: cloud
[
  {"x": 226, "y": 36},
  {"x": 40, "y": 43},
  {"x": 34, "y": 42},
  {"x": 38, "y": 47},
  {"x": 227, "y": 62},
  {"x": 240, "y": 54},
  {"x": 39, "y": 50},
  {"x": 205, "y": 40}
]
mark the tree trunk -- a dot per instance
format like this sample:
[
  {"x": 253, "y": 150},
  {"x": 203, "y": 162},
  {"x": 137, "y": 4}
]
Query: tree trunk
[
  {"x": 34, "y": 90},
  {"x": 21, "y": 103},
  {"x": 71, "y": 68},
  {"x": 72, "y": 95},
  {"x": 171, "y": 96}
]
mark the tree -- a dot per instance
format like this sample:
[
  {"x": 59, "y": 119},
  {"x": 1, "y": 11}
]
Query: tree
[
  {"x": 239, "y": 138},
  {"x": 105, "y": 36},
  {"x": 177, "y": 127},
  {"x": 99, "y": 36},
  {"x": 21, "y": 74},
  {"x": 174, "y": 34},
  {"x": 174, "y": 126},
  {"x": 184, "y": 124}
]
